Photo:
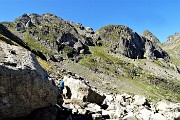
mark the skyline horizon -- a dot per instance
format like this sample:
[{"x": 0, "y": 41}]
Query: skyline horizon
[
  {"x": 92, "y": 27},
  {"x": 157, "y": 16}
]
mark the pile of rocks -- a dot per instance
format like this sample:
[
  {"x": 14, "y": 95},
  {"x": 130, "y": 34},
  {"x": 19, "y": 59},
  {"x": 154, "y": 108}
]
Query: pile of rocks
[{"x": 119, "y": 106}]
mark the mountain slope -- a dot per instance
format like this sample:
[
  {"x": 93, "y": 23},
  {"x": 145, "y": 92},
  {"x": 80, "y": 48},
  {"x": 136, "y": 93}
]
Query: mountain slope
[
  {"x": 114, "y": 59},
  {"x": 172, "y": 46}
]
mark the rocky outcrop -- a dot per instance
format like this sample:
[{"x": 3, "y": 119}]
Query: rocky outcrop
[
  {"x": 4, "y": 31},
  {"x": 80, "y": 90},
  {"x": 174, "y": 38},
  {"x": 24, "y": 85},
  {"x": 153, "y": 51},
  {"x": 123, "y": 40},
  {"x": 54, "y": 33},
  {"x": 8, "y": 34},
  {"x": 148, "y": 35}
]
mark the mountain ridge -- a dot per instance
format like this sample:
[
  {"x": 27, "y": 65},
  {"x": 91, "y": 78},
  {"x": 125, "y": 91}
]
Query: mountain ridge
[{"x": 114, "y": 51}]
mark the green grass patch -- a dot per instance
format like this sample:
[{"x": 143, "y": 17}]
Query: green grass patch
[
  {"x": 152, "y": 92},
  {"x": 159, "y": 62},
  {"x": 139, "y": 83},
  {"x": 47, "y": 66},
  {"x": 37, "y": 46}
]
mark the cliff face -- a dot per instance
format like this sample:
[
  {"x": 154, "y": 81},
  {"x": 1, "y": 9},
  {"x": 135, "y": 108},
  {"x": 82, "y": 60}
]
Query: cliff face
[
  {"x": 148, "y": 35},
  {"x": 123, "y": 40},
  {"x": 24, "y": 85}
]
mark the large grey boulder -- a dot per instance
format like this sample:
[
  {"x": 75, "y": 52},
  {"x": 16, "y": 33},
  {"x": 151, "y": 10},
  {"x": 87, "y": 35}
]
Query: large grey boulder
[
  {"x": 81, "y": 91},
  {"x": 139, "y": 100},
  {"x": 24, "y": 85},
  {"x": 157, "y": 116},
  {"x": 145, "y": 114}
]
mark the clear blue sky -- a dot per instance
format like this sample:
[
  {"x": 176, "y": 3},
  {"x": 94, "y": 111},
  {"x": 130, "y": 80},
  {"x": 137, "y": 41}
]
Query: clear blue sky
[{"x": 161, "y": 17}]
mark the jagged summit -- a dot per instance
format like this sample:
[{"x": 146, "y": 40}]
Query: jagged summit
[
  {"x": 52, "y": 35},
  {"x": 37, "y": 19},
  {"x": 57, "y": 34},
  {"x": 148, "y": 35},
  {"x": 123, "y": 40},
  {"x": 174, "y": 38}
]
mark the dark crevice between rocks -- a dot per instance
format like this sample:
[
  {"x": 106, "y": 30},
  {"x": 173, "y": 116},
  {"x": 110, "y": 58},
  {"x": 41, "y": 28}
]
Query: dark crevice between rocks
[
  {"x": 54, "y": 113},
  {"x": 10, "y": 64}
]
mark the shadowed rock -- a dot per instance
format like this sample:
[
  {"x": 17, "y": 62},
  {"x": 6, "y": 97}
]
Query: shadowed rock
[{"x": 24, "y": 85}]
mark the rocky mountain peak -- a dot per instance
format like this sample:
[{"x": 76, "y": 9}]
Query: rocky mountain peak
[
  {"x": 123, "y": 40},
  {"x": 29, "y": 20},
  {"x": 174, "y": 38},
  {"x": 150, "y": 36}
]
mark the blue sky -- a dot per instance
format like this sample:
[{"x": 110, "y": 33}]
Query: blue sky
[{"x": 161, "y": 17}]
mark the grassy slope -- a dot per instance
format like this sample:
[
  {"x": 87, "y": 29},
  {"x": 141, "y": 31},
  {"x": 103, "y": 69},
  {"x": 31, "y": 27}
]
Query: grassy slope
[
  {"x": 173, "y": 49},
  {"x": 115, "y": 74},
  {"x": 36, "y": 46}
]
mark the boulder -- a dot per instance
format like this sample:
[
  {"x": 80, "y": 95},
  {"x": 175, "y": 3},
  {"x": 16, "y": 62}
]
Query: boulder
[
  {"x": 109, "y": 98},
  {"x": 177, "y": 116},
  {"x": 119, "y": 113},
  {"x": 97, "y": 116},
  {"x": 82, "y": 91},
  {"x": 119, "y": 98},
  {"x": 127, "y": 99},
  {"x": 82, "y": 51},
  {"x": 157, "y": 116},
  {"x": 82, "y": 111},
  {"x": 169, "y": 110},
  {"x": 111, "y": 106},
  {"x": 139, "y": 100},
  {"x": 145, "y": 114},
  {"x": 78, "y": 46},
  {"x": 93, "y": 108},
  {"x": 29, "y": 24},
  {"x": 89, "y": 30},
  {"x": 24, "y": 85},
  {"x": 130, "y": 116},
  {"x": 162, "y": 106}
]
